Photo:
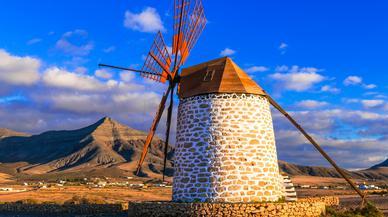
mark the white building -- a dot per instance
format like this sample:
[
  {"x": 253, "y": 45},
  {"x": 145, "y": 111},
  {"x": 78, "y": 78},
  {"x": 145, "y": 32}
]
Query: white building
[{"x": 225, "y": 145}]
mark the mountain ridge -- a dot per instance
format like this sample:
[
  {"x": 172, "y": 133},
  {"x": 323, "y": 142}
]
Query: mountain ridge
[
  {"x": 103, "y": 144},
  {"x": 108, "y": 145},
  {"x": 383, "y": 164}
]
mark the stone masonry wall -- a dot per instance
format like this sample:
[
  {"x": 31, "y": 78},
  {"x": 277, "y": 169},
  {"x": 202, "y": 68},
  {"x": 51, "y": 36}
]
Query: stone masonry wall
[
  {"x": 57, "y": 209},
  {"x": 225, "y": 150},
  {"x": 312, "y": 208}
]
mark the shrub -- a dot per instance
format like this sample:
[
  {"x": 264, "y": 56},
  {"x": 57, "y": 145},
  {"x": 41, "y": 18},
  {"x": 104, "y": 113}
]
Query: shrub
[
  {"x": 84, "y": 200},
  {"x": 368, "y": 211},
  {"x": 27, "y": 201}
]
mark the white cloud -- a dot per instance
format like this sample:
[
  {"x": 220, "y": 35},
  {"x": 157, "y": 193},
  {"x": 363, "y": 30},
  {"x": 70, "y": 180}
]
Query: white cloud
[
  {"x": 372, "y": 103},
  {"x": 297, "y": 78},
  {"x": 330, "y": 89},
  {"x": 351, "y": 100},
  {"x": 283, "y": 48},
  {"x": 227, "y": 52},
  {"x": 79, "y": 103},
  {"x": 311, "y": 104},
  {"x": 103, "y": 73},
  {"x": 357, "y": 80},
  {"x": 283, "y": 45},
  {"x": 369, "y": 86},
  {"x": 60, "y": 78},
  {"x": 114, "y": 103},
  {"x": 34, "y": 41},
  {"x": 146, "y": 21},
  {"x": 81, "y": 70},
  {"x": 109, "y": 49},
  {"x": 64, "y": 43},
  {"x": 352, "y": 80},
  {"x": 17, "y": 70},
  {"x": 127, "y": 76},
  {"x": 290, "y": 137},
  {"x": 253, "y": 69}
]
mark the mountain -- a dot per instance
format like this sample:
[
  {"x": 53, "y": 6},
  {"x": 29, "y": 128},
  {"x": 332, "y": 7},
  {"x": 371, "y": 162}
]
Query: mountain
[
  {"x": 4, "y": 132},
  {"x": 299, "y": 170},
  {"x": 382, "y": 165},
  {"x": 105, "y": 144},
  {"x": 108, "y": 148}
]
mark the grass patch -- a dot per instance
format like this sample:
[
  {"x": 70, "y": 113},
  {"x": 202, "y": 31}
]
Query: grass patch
[
  {"x": 369, "y": 210},
  {"x": 381, "y": 193},
  {"x": 27, "y": 201},
  {"x": 83, "y": 200}
]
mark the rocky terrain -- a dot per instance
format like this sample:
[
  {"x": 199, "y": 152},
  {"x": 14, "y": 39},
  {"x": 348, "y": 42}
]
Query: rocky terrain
[
  {"x": 105, "y": 146},
  {"x": 376, "y": 172},
  {"x": 111, "y": 149}
]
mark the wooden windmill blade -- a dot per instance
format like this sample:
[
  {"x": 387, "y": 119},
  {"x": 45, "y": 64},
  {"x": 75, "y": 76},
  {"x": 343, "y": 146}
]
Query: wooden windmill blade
[
  {"x": 181, "y": 11},
  {"x": 154, "y": 125},
  {"x": 158, "y": 61},
  {"x": 189, "y": 22},
  {"x": 196, "y": 23}
]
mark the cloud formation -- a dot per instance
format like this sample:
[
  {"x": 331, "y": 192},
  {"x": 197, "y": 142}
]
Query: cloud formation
[
  {"x": 103, "y": 73},
  {"x": 352, "y": 80},
  {"x": 254, "y": 69},
  {"x": 109, "y": 49},
  {"x": 146, "y": 21},
  {"x": 16, "y": 70},
  {"x": 357, "y": 80},
  {"x": 297, "y": 78},
  {"x": 34, "y": 41},
  {"x": 61, "y": 98},
  {"x": 324, "y": 126},
  {"x": 372, "y": 103},
  {"x": 66, "y": 45},
  {"x": 330, "y": 89},
  {"x": 227, "y": 52},
  {"x": 60, "y": 78},
  {"x": 311, "y": 104},
  {"x": 283, "y": 48}
]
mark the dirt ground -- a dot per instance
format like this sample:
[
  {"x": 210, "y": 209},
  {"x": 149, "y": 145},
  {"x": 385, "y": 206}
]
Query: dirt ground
[
  {"x": 347, "y": 197},
  {"x": 102, "y": 195},
  {"x": 5, "y": 178},
  {"x": 122, "y": 195}
]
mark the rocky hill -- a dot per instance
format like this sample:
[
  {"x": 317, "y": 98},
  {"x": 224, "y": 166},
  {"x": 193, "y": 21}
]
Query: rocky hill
[
  {"x": 383, "y": 165},
  {"x": 105, "y": 144},
  {"x": 111, "y": 149},
  {"x": 299, "y": 170},
  {"x": 4, "y": 132}
]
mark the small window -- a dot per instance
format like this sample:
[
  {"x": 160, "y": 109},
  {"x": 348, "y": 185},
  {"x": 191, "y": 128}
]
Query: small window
[{"x": 209, "y": 75}]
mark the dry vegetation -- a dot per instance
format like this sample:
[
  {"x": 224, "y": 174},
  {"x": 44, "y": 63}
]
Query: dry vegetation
[
  {"x": 115, "y": 195},
  {"x": 4, "y": 178},
  {"x": 121, "y": 195}
]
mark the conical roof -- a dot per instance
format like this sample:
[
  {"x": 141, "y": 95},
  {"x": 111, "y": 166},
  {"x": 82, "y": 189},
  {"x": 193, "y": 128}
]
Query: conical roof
[{"x": 216, "y": 76}]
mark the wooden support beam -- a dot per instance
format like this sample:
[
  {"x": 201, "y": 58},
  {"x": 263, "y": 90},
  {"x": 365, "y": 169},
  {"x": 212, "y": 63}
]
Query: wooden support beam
[
  {"x": 151, "y": 133},
  {"x": 126, "y": 69},
  {"x": 318, "y": 147},
  {"x": 168, "y": 125}
]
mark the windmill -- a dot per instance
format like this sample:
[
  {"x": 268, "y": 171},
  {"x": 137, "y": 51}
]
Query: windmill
[{"x": 161, "y": 66}]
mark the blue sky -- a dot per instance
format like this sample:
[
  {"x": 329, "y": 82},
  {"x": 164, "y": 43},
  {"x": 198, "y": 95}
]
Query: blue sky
[{"x": 324, "y": 61}]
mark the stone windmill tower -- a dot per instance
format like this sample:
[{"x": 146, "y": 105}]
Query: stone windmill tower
[
  {"x": 225, "y": 141},
  {"x": 225, "y": 149}
]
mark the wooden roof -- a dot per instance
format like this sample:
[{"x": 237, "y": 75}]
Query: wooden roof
[{"x": 216, "y": 76}]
